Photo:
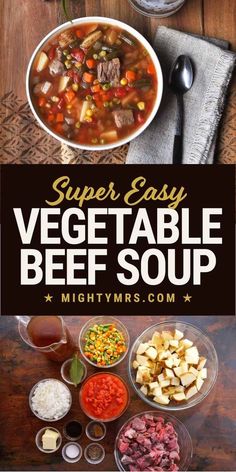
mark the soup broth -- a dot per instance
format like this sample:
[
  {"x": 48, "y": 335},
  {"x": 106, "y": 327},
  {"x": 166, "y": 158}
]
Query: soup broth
[{"x": 93, "y": 84}]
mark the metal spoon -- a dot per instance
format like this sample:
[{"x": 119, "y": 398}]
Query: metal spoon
[{"x": 181, "y": 81}]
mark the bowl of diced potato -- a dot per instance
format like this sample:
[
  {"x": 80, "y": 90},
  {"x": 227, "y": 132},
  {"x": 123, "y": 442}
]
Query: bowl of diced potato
[{"x": 173, "y": 365}]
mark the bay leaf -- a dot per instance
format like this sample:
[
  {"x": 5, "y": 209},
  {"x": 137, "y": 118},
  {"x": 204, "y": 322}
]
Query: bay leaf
[{"x": 76, "y": 370}]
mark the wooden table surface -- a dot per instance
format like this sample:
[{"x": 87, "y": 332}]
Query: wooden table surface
[
  {"x": 24, "y": 24},
  {"x": 211, "y": 424}
]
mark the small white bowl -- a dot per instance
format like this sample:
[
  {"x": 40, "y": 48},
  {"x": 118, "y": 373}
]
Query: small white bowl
[
  {"x": 140, "y": 38},
  {"x": 38, "y": 440}
]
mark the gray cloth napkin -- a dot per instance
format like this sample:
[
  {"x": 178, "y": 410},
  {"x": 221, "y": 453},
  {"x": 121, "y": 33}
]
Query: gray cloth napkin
[{"x": 203, "y": 104}]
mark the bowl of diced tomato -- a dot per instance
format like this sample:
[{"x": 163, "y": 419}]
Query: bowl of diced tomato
[
  {"x": 104, "y": 396},
  {"x": 94, "y": 83},
  {"x": 104, "y": 341}
]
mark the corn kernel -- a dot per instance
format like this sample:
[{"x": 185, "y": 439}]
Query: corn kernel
[
  {"x": 55, "y": 99},
  {"x": 96, "y": 82},
  {"x": 78, "y": 124},
  {"x": 68, "y": 107},
  {"x": 88, "y": 97},
  {"x": 89, "y": 112},
  {"x": 95, "y": 56},
  {"x": 102, "y": 53},
  {"x": 68, "y": 64},
  {"x": 141, "y": 106},
  {"x": 94, "y": 141},
  {"x": 88, "y": 119},
  {"x": 69, "y": 57},
  {"x": 124, "y": 81},
  {"x": 75, "y": 87},
  {"x": 78, "y": 65}
]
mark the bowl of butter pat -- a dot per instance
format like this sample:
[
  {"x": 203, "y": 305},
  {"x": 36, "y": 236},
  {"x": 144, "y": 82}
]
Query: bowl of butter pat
[{"x": 48, "y": 439}]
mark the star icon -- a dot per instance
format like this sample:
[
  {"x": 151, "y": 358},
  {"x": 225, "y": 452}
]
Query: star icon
[
  {"x": 187, "y": 298},
  {"x": 48, "y": 298}
]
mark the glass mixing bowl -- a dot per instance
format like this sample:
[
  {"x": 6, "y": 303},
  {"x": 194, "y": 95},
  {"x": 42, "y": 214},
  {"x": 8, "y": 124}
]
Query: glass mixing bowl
[
  {"x": 103, "y": 320},
  {"x": 205, "y": 348},
  {"x": 184, "y": 439}
]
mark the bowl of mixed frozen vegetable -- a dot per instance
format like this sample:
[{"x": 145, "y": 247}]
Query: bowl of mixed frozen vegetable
[
  {"x": 104, "y": 341},
  {"x": 94, "y": 83}
]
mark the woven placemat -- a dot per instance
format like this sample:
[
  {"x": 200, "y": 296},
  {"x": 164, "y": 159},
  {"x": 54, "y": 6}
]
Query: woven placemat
[{"x": 23, "y": 141}]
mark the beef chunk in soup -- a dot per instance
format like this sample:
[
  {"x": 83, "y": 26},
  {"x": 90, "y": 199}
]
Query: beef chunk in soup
[
  {"x": 109, "y": 71},
  {"x": 42, "y": 88},
  {"x": 66, "y": 38},
  {"x": 59, "y": 54},
  {"x": 56, "y": 67},
  {"x": 123, "y": 118}
]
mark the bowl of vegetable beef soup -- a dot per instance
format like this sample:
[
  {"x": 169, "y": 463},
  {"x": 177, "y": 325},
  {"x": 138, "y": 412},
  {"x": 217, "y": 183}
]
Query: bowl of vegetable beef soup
[{"x": 94, "y": 83}]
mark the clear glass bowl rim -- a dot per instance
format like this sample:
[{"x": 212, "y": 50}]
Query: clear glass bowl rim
[
  {"x": 41, "y": 417},
  {"x": 153, "y": 14},
  {"x": 102, "y": 420},
  {"x": 199, "y": 398},
  {"x": 77, "y": 458},
  {"x": 89, "y": 426},
  {"x": 63, "y": 375},
  {"x": 40, "y": 432},
  {"x": 85, "y": 328},
  {"x": 168, "y": 417},
  {"x": 98, "y": 461}
]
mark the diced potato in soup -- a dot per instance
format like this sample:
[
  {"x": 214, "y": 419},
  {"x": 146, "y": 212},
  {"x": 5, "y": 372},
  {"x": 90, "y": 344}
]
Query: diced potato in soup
[{"x": 101, "y": 84}]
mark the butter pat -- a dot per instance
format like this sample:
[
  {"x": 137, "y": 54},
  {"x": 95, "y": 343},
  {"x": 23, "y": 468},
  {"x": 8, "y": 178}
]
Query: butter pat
[{"x": 49, "y": 439}]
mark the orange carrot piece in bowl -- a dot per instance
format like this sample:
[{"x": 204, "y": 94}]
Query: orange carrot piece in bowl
[
  {"x": 87, "y": 77},
  {"x": 91, "y": 63},
  {"x": 130, "y": 75},
  {"x": 59, "y": 118},
  {"x": 151, "y": 69},
  {"x": 69, "y": 96}
]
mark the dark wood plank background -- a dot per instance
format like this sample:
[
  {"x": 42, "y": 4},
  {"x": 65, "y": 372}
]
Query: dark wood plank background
[
  {"x": 25, "y": 23},
  {"x": 211, "y": 424}
]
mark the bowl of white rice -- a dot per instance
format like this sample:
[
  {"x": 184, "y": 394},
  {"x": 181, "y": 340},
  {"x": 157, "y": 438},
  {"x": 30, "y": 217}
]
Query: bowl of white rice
[{"x": 50, "y": 400}]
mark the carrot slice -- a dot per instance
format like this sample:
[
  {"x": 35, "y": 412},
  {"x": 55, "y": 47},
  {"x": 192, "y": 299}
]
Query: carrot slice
[
  {"x": 96, "y": 88},
  {"x": 69, "y": 96},
  {"x": 59, "y": 118},
  {"x": 151, "y": 69},
  {"x": 130, "y": 75},
  {"x": 87, "y": 77},
  {"x": 90, "y": 63}
]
